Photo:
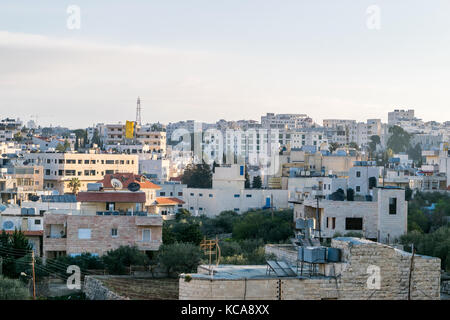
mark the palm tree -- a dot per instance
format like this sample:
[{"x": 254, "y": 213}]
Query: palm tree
[{"x": 75, "y": 185}]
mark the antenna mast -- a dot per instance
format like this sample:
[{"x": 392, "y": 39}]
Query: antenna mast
[{"x": 138, "y": 112}]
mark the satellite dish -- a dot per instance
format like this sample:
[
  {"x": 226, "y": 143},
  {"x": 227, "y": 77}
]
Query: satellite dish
[
  {"x": 134, "y": 186},
  {"x": 116, "y": 184},
  {"x": 2, "y": 207},
  {"x": 8, "y": 225}
]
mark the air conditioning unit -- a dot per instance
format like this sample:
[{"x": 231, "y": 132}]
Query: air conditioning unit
[{"x": 94, "y": 186}]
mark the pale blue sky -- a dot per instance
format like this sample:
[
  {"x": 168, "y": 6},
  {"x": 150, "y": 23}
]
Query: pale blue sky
[{"x": 234, "y": 59}]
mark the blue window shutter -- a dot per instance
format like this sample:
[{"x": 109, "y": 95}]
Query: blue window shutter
[{"x": 242, "y": 170}]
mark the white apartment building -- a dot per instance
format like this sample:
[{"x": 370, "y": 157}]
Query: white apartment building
[
  {"x": 398, "y": 115},
  {"x": 383, "y": 219},
  {"x": 60, "y": 168},
  {"x": 228, "y": 193},
  {"x": 114, "y": 134},
  {"x": 310, "y": 137},
  {"x": 158, "y": 169},
  {"x": 290, "y": 121},
  {"x": 360, "y": 176}
]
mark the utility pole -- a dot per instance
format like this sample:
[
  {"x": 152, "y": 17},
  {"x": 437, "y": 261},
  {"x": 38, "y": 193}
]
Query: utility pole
[
  {"x": 34, "y": 276},
  {"x": 318, "y": 217},
  {"x": 410, "y": 271}
]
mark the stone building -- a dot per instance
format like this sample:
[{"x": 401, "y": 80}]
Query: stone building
[{"x": 367, "y": 271}]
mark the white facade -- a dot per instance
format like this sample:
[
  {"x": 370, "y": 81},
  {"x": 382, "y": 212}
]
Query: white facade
[
  {"x": 360, "y": 174},
  {"x": 160, "y": 168},
  {"x": 228, "y": 193},
  {"x": 383, "y": 219}
]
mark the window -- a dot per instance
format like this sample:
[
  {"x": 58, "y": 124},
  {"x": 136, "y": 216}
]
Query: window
[
  {"x": 358, "y": 188},
  {"x": 37, "y": 221},
  {"x": 248, "y": 195},
  {"x": 358, "y": 174},
  {"x": 236, "y": 195},
  {"x": 392, "y": 205},
  {"x": 333, "y": 223},
  {"x": 353, "y": 223},
  {"x": 114, "y": 233},
  {"x": 84, "y": 233},
  {"x": 180, "y": 194},
  {"x": 162, "y": 193},
  {"x": 146, "y": 235},
  {"x": 210, "y": 195}
]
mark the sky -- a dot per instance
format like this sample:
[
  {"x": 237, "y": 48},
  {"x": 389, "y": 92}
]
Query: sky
[{"x": 207, "y": 60}]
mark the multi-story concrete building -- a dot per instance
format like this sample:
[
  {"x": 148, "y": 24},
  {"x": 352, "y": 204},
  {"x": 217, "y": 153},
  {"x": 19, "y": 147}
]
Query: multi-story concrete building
[
  {"x": 290, "y": 121},
  {"x": 105, "y": 221},
  {"x": 383, "y": 219},
  {"x": 398, "y": 115},
  {"x": 308, "y": 137},
  {"x": 228, "y": 193},
  {"x": 364, "y": 176},
  {"x": 114, "y": 134},
  {"x": 60, "y": 168},
  {"x": 17, "y": 183}
]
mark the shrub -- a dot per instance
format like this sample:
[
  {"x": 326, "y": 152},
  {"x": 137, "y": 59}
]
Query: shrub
[
  {"x": 12, "y": 289},
  {"x": 116, "y": 261},
  {"x": 179, "y": 257}
]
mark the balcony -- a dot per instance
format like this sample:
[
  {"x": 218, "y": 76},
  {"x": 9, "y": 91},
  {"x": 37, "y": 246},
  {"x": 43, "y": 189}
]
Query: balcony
[{"x": 152, "y": 245}]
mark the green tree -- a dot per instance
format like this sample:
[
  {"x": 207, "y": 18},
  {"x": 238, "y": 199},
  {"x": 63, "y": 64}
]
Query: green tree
[
  {"x": 18, "y": 137},
  {"x": 13, "y": 248},
  {"x": 374, "y": 141},
  {"x": 350, "y": 194},
  {"x": 197, "y": 176},
  {"x": 333, "y": 146},
  {"x": 260, "y": 225},
  {"x": 399, "y": 141},
  {"x": 179, "y": 257},
  {"x": 247, "y": 179},
  {"x": 415, "y": 153},
  {"x": 338, "y": 195},
  {"x": 116, "y": 261},
  {"x": 353, "y": 145},
  {"x": 74, "y": 185},
  {"x": 257, "y": 182}
]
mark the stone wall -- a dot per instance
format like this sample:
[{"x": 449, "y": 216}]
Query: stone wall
[
  {"x": 285, "y": 252},
  {"x": 349, "y": 280},
  {"x": 95, "y": 290}
]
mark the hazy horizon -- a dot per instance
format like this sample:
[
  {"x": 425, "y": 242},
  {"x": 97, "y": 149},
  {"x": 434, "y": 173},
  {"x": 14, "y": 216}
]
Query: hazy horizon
[{"x": 207, "y": 60}]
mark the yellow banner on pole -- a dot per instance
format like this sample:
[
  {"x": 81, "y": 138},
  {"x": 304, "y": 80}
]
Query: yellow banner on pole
[{"x": 129, "y": 130}]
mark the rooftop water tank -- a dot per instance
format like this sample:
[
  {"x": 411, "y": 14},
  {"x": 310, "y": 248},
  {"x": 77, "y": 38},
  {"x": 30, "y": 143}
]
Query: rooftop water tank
[
  {"x": 333, "y": 255},
  {"x": 314, "y": 254}
]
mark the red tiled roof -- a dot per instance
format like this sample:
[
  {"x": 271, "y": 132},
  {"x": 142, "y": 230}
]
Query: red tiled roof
[
  {"x": 135, "y": 197},
  {"x": 175, "y": 178},
  {"x": 126, "y": 179},
  {"x": 28, "y": 233},
  {"x": 168, "y": 201}
]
